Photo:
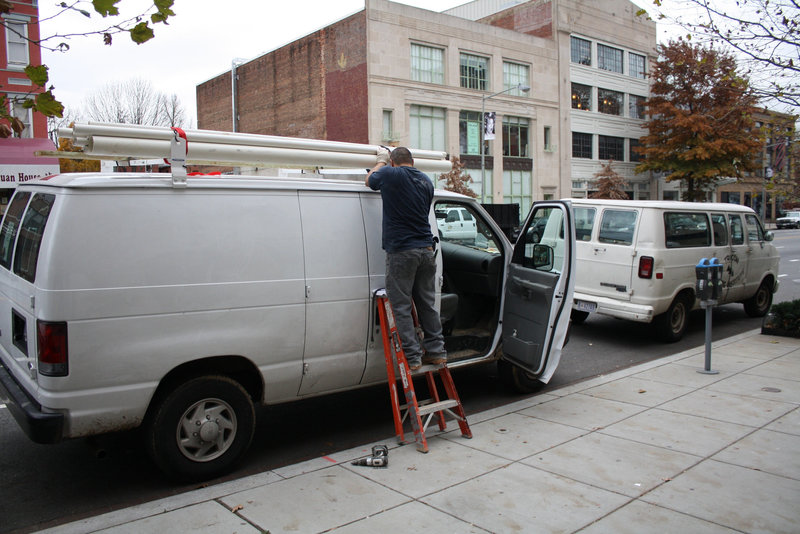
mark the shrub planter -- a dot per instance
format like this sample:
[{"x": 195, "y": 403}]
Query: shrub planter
[{"x": 783, "y": 319}]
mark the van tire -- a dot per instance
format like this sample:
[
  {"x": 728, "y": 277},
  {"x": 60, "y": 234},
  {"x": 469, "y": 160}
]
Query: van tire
[
  {"x": 578, "y": 316},
  {"x": 671, "y": 325},
  {"x": 517, "y": 379},
  {"x": 759, "y": 304},
  {"x": 194, "y": 403}
]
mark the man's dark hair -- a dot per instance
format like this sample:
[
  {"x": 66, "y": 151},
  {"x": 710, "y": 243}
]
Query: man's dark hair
[{"x": 402, "y": 156}]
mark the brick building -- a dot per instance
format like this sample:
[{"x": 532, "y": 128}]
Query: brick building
[
  {"x": 18, "y": 33},
  {"x": 400, "y": 75}
]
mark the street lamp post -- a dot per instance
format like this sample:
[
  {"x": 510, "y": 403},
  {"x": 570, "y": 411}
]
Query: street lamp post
[{"x": 521, "y": 87}]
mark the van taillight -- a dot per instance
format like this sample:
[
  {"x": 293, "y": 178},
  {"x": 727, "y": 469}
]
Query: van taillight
[
  {"x": 646, "y": 267},
  {"x": 51, "y": 346}
]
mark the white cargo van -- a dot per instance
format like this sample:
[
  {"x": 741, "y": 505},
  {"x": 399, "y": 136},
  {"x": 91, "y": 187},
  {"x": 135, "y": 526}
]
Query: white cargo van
[
  {"x": 636, "y": 260},
  {"x": 127, "y": 301}
]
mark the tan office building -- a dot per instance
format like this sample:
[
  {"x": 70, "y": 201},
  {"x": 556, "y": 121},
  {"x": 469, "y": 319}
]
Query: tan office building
[{"x": 395, "y": 74}]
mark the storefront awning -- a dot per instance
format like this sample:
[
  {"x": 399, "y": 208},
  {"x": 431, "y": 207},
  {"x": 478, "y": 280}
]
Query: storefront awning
[{"x": 18, "y": 164}]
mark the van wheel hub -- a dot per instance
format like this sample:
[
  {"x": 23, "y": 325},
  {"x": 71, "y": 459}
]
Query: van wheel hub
[{"x": 206, "y": 430}]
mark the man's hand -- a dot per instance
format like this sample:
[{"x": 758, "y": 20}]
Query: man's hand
[{"x": 383, "y": 156}]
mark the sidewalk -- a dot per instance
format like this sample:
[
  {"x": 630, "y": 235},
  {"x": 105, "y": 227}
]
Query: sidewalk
[{"x": 657, "y": 447}]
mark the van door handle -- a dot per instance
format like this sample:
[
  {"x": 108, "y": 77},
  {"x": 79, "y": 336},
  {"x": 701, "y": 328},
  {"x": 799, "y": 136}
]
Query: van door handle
[{"x": 599, "y": 250}]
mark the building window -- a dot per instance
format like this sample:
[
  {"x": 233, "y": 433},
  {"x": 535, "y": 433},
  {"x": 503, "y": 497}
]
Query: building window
[
  {"x": 427, "y": 128},
  {"x": 609, "y": 102},
  {"x": 517, "y": 189},
  {"x": 388, "y": 126},
  {"x": 548, "y": 140},
  {"x": 636, "y": 106},
  {"x": 25, "y": 115},
  {"x": 427, "y": 64},
  {"x": 581, "y": 96},
  {"x": 474, "y": 72},
  {"x": 636, "y": 65},
  {"x": 469, "y": 132},
  {"x": 17, "y": 44},
  {"x": 581, "y": 145},
  {"x": 515, "y": 137},
  {"x": 581, "y": 51},
  {"x": 635, "y": 155},
  {"x": 611, "y": 148},
  {"x": 609, "y": 58},
  {"x": 515, "y": 75}
]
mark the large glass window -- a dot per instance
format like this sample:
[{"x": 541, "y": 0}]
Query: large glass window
[
  {"x": 581, "y": 96},
  {"x": 26, "y": 255},
  {"x": 636, "y": 65},
  {"x": 8, "y": 233},
  {"x": 427, "y": 64},
  {"x": 515, "y": 75},
  {"x": 469, "y": 132},
  {"x": 25, "y": 115},
  {"x": 17, "y": 44},
  {"x": 427, "y": 128},
  {"x": 636, "y": 106},
  {"x": 755, "y": 232},
  {"x": 581, "y": 145},
  {"x": 584, "y": 222},
  {"x": 388, "y": 125},
  {"x": 609, "y": 58},
  {"x": 720, "y": 229},
  {"x": 687, "y": 230},
  {"x": 609, "y": 102},
  {"x": 515, "y": 137},
  {"x": 517, "y": 189},
  {"x": 737, "y": 230},
  {"x": 581, "y": 51},
  {"x": 617, "y": 227},
  {"x": 474, "y": 72},
  {"x": 609, "y": 147},
  {"x": 634, "y": 153}
]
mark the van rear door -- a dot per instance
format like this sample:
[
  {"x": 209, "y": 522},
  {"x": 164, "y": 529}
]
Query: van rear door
[
  {"x": 20, "y": 241},
  {"x": 538, "y": 291},
  {"x": 612, "y": 254}
]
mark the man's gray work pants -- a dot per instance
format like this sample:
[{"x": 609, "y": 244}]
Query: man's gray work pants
[{"x": 411, "y": 274}]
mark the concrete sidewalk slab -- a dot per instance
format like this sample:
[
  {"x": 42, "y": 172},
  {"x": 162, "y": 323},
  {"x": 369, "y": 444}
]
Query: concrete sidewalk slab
[{"x": 657, "y": 446}]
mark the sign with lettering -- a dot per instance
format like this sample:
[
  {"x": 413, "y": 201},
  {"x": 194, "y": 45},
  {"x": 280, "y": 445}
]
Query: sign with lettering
[{"x": 11, "y": 175}]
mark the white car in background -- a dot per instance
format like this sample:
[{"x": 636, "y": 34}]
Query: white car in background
[
  {"x": 456, "y": 224},
  {"x": 790, "y": 220}
]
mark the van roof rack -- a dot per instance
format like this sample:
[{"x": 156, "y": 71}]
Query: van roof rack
[{"x": 180, "y": 147}]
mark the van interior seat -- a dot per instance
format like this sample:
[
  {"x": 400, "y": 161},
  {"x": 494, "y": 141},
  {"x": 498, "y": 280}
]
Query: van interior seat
[{"x": 449, "y": 306}]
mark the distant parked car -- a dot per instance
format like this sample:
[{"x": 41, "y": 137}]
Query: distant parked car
[
  {"x": 790, "y": 220},
  {"x": 456, "y": 224}
]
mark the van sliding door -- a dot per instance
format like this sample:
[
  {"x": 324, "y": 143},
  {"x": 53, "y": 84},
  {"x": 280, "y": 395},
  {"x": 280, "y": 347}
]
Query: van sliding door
[{"x": 337, "y": 291}]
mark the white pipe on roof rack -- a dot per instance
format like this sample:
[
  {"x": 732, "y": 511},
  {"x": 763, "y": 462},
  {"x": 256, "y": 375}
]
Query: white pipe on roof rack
[
  {"x": 231, "y": 138},
  {"x": 253, "y": 155}
]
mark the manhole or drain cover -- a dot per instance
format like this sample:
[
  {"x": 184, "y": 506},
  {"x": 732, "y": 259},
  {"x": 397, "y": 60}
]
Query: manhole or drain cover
[{"x": 771, "y": 390}]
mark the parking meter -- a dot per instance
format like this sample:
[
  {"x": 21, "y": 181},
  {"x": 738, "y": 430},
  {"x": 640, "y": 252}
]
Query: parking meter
[
  {"x": 709, "y": 279},
  {"x": 703, "y": 285}
]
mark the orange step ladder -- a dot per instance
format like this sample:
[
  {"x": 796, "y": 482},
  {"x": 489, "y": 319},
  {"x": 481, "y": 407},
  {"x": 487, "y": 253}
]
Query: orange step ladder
[{"x": 414, "y": 409}]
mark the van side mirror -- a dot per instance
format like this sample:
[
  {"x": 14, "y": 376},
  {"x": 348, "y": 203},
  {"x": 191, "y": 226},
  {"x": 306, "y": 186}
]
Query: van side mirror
[
  {"x": 769, "y": 236},
  {"x": 542, "y": 257},
  {"x": 440, "y": 215}
]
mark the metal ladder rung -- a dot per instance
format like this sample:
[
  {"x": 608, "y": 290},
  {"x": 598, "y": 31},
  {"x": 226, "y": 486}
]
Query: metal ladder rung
[{"x": 437, "y": 406}]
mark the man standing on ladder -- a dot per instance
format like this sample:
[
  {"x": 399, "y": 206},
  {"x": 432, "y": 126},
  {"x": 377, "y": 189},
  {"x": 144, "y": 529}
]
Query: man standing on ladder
[{"x": 407, "y": 194}]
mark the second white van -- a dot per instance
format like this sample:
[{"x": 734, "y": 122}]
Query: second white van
[{"x": 636, "y": 260}]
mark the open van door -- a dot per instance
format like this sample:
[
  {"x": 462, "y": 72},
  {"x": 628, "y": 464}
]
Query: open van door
[{"x": 540, "y": 280}]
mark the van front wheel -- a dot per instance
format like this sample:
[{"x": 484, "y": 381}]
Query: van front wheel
[
  {"x": 671, "y": 325},
  {"x": 517, "y": 379},
  {"x": 758, "y": 305},
  {"x": 201, "y": 429}
]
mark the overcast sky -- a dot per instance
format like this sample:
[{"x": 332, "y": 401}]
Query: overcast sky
[{"x": 197, "y": 45}]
